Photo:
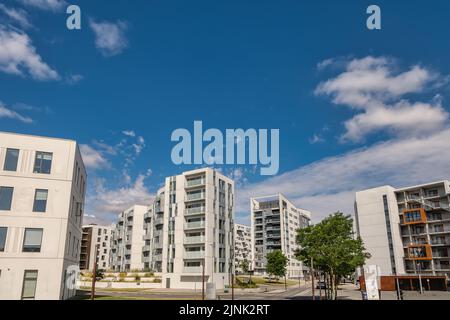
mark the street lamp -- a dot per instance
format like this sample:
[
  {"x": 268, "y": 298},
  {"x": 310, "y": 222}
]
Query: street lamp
[{"x": 420, "y": 278}]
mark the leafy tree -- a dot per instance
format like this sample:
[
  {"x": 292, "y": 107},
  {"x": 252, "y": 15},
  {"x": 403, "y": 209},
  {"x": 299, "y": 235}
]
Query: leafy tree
[
  {"x": 245, "y": 266},
  {"x": 276, "y": 263},
  {"x": 99, "y": 275},
  {"x": 332, "y": 246}
]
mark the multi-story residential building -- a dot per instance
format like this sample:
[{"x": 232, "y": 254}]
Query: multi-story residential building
[
  {"x": 189, "y": 230},
  {"x": 275, "y": 221},
  {"x": 128, "y": 240},
  {"x": 95, "y": 247},
  {"x": 242, "y": 246},
  {"x": 42, "y": 191},
  {"x": 406, "y": 230}
]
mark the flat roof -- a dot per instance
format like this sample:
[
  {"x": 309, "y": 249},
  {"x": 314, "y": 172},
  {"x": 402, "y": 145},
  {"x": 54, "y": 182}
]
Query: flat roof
[{"x": 36, "y": 136}]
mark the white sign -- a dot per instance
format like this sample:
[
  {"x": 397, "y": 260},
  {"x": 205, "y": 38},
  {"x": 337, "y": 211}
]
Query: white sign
[{"x": 371, "y": 280}]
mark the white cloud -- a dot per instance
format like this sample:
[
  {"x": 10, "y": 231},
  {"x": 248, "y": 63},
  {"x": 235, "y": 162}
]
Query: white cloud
[
  {"x": 50, "y": 5},
  {"x": 74, "y": 79},
  {"x": 18, "y": 56},
  {"x": 93, "y": 159},
  {"x": 8, "y": 113},
  {"x": 106, "y": 203},
  {"x": 16, "y": 15},
  {"x": 110, "y": 37},
  {"x": 328, "y": 185},
  {"x": 370, "y": 86}
]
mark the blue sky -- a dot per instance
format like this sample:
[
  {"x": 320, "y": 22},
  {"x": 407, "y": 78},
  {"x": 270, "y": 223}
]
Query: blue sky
[{"x": 355, "y": 108}]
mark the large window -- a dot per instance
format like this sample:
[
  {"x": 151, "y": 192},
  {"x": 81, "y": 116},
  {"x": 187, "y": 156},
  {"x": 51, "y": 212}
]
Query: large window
[
  {"x": 40, "y": 200},
  {"x": 3, "y": 233},
  {"x": 32, "y": 240},
  {"x": 12, "y": 156},
  {"x": 43, "y": 162},
  {"x": 29, "y": 284},
  {"x": 6, "y": 194}
]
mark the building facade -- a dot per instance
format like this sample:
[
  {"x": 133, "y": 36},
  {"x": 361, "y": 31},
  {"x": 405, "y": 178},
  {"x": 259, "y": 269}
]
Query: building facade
[
  {"x": 189, "y": 230},
  {"x": 406, "y": 230},
  {"x": 95, "y": 247},
  {"x": 128, "y": 240},
  {"x": 242, "y": 246},
  {"x": 42, "y": 191},
  {"x": 274, "y": 222}
]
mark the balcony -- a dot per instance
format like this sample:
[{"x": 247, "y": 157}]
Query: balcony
[
  {"x": 197, "y": 182},
  {"x": 192, "y": 240},
  {"x": 192, "y": 269},
  {"x": 147, "y": 215},
  {"x": 194, "y": 254},
  {"x": 194, "y": 211},
  {"x": 194, "y": 225},
  {"x": 157, "y": 257},
  {"x": 159, "y": 221},
  {"x": 146, "y": 248},
  {"x": 419, "y": 252},
  {"x": 195, "y": 196}
]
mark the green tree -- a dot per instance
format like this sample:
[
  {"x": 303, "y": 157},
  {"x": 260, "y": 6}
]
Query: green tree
[
  {"x": 245, "y": 266},
  {"x": 332, "y": 246},
  {"x": 276, "y": 263}
]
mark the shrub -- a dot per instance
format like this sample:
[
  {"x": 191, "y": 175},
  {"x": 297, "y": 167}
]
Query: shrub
[{"x": 157, "y": 280}]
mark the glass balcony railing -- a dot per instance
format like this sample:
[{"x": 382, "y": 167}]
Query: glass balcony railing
[
  {"x": 195, "y": 196},
  {"x": 194, "y": 254},
  {"x": 193, "y": 269},
  {"x": 194, "y": 225},
  {"x": 194, "y": 210},
  {"x": 195, "y": 182}
]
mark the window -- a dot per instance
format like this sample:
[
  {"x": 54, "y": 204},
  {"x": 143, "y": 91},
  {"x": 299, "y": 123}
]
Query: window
[
  {"x": 29, "y": 284},
  {"x": 3, "y": 232},
  {"x": 12, "y": 156},
  {"x": 32, "y": 240},
  {"x": 43, "y": 162},
  {"x": 6, "y": 194},
  {"x": 40, "y": 200}
]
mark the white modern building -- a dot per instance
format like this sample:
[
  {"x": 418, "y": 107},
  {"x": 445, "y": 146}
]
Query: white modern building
[
  {"x": 42, "y": 191},
  {"x": 96, "y": 247},
  {"x": 128, "y": 240},
  {"x": 242, "y": 246},
  {"x": 274, "y": 222},
  {"x": 189, "y": 230},
  {"x": 406, "y": 230}
]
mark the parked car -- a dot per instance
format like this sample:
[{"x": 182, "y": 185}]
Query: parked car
[{"x": 321, "y": 285}]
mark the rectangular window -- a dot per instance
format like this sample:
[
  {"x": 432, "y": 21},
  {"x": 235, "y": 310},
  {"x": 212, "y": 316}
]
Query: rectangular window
[
  {"x": 6, "y": 194},
  {"x": 29, "y": 284},
  {"x": 11, "y": 159},
  {"x": 3, "y": 233},
  {"x": 43, "y": 162},
  {"x": 32, "y": 240},
  {"x": 40, "y": 200}
]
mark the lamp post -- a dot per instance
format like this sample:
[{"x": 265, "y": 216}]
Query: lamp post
[
  {"x": 312, "y": 279},
  {"x": 420, "y": 278}
]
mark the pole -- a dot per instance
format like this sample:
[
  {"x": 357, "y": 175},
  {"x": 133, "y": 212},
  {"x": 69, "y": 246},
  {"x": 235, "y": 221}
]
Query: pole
[
  {"x": 312, "y": 279},
  {"x": 203, "y": 279},
  {"x": 232, "y": 286},
  {"x": 320, "y": 285},
  {"x": 420, "y": 279},
  {"x": 94, "y": 275},
  {"x": 285, "y": 282}
]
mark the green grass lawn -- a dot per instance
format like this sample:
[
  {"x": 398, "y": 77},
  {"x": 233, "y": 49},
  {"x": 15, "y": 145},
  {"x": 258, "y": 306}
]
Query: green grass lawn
[{"x": 263, "y": 281}]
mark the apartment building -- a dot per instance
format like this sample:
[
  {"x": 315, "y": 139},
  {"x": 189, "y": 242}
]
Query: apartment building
[
  {"x": 189, "y": 230},
  {"x": 274, "y": 222},
  {"x": 242, "y": 246},
  {"x": 406, "y": 230},
  {"x": 95, "y": 247},
  {"x": 42, "y": 191},
  {"x": 128, "y": 240}
]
